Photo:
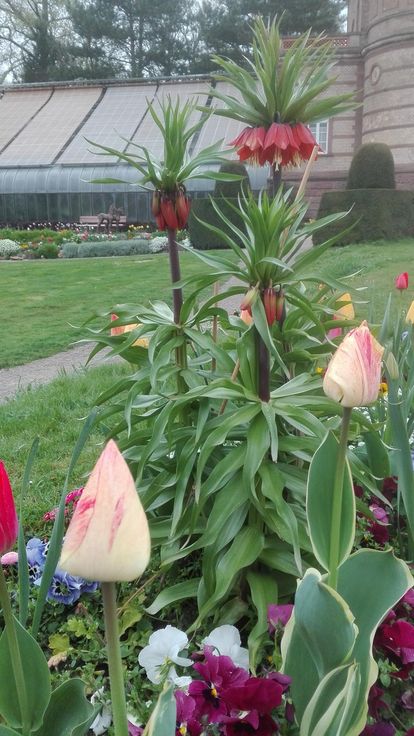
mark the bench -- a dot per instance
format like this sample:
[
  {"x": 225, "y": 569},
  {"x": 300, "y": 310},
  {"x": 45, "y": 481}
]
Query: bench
[{"x": 93, "y": 220}]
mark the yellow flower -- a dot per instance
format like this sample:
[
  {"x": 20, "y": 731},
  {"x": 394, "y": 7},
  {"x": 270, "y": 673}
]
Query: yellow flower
[{"x": 410, "y": 314}]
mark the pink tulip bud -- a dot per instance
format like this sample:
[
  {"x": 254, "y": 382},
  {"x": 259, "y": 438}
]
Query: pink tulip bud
[
  {"x": 401, "y": 281},
  {"x": 108, "y": 537},
  {"x": 8, "y": 516},
  {"x": 353, "y": 375}
]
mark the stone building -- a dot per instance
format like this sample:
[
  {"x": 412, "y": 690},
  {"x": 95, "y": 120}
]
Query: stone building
[
  {"x": 375, "y": 57},
  {"x": 45, "y": 161}
]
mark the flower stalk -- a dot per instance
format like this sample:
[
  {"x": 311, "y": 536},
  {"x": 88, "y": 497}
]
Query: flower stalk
[
  {"x": 175, "y": 274},
  {"x": 263, "y": 361},
  {"x": 337, "y": 499},
  {"x": 116, "y": 677},
  {"x": 15, "y": 657}
]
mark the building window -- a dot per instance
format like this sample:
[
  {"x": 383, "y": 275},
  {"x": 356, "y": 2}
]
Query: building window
[{"x": 320, "y": 132}]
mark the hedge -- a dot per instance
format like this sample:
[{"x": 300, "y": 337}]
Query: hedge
[
  {"x": 105, "y": 248},
  {"x": 378, "y": 214},
  {"x": 202, "y": 209},
  {"x": 372, "y": 167}
]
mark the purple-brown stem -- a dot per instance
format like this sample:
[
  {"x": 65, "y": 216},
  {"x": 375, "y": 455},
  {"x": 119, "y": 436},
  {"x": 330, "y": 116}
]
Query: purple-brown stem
[
  {"x": 175, "y": 274},
  {"x": 263, "y": 369},
  {"x": 274, "y": 181}
]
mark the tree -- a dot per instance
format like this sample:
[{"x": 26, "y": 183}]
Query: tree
[
  {"x": 141, "y": 37},
  {"x": 32, "y": 30},
  {"x": 225, "y": 25}
]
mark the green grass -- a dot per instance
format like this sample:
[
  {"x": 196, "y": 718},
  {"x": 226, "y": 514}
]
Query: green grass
[
  {"x": 378, "y": 264},
  {"x": 55, "y": 414},
  {"x": 42, "y": 300}
]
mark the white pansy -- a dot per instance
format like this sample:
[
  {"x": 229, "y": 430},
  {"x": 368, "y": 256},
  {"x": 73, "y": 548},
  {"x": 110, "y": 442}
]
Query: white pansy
[
  {"x": 104, "y": 718},
  {"x": 226, "y": 641},
  {"x": 163, "y": 649}
]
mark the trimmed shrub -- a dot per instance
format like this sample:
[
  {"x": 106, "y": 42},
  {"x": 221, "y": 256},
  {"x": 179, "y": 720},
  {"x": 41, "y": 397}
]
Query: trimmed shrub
[
  {"x": 232, "y": 189},
  {"x": 202, "y": 209},
  {"x": 8, "y": 248},
  {"x": 377, "y": 214},
  {"x": 106, "y": 249},
  {"x": 70, "y": 250},
  {"x": 372, "y": 167},
  {"x": 47, "y": 250}
]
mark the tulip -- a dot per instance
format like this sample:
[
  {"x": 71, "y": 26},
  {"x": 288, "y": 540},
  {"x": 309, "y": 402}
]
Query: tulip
[
  {"x": 410, "y": 314},
  {"x": 8, "y": 516},
  {"x": 122, "y": 329},
  {"x": 353, "y": 375},
  {"x": 108, "y": 537},
  {"x": 345, "y": 312},
  {"x": 401, "y": 281}
]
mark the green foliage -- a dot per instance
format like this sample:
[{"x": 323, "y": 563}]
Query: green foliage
[
  {"x": 273, "y": 87},
  {"x": 374, "y": 214},
  {"x": 320, "y": 500},
  {"x": 221, "y": 473},
  {"x": 163, "y": 718},
  {"x": 47, "y": 250},
  {"x": 372, "y": 167},
  {"x": 175, "y": 168},
  {"x": 327, "y": 645},
  {"x": 105, "y": 248},
  {"x": 36, "y": 681},
  {"x": 232, "y": 189},
  {"x": 203, "y": 211},
  {"x": 30, "y": 236}
]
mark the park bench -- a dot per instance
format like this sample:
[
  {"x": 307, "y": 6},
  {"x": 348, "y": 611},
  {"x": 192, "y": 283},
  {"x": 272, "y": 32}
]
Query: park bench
[{"x": 93, "y": 220}]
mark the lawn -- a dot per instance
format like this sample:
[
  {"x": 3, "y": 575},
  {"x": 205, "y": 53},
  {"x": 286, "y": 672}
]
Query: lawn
[
  {"x": 43, "y": 300},
  {"x": 376, "y": 266},
  {"x": 55, "y": 414}
]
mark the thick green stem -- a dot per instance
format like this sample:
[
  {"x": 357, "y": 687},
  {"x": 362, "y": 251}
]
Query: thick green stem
[
  {"x": 15, "y": 657},
  {"x": 337, "y": 499},
  {"x": 116, "y": 677},
  {"x": 263, "y": 369},
  {"x": 175, "y": 274}
]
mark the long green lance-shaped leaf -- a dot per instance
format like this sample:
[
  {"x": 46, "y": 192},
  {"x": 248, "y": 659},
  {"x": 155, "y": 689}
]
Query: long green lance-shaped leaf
[
  {"x": 55, "y": 545},
  {"x": 24, "y": 582},
  {"x": 402, "y": 452},
  {"x": 320, "y": 501}
]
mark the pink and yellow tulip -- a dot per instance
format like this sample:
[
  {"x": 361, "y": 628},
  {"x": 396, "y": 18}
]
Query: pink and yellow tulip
[
  {"x": 353, "y": 375},
  {"x": 108, "y": 537}
]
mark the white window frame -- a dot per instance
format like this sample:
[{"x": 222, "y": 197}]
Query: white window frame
[{"x": 320, "y": 131}]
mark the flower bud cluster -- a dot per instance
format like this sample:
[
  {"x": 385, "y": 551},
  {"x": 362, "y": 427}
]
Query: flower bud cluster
[{"x": 171, "y": 209}]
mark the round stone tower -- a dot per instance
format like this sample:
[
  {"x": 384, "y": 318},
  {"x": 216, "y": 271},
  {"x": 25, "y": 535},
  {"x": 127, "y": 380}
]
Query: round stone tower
[{"x": 386, "y": 39}]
